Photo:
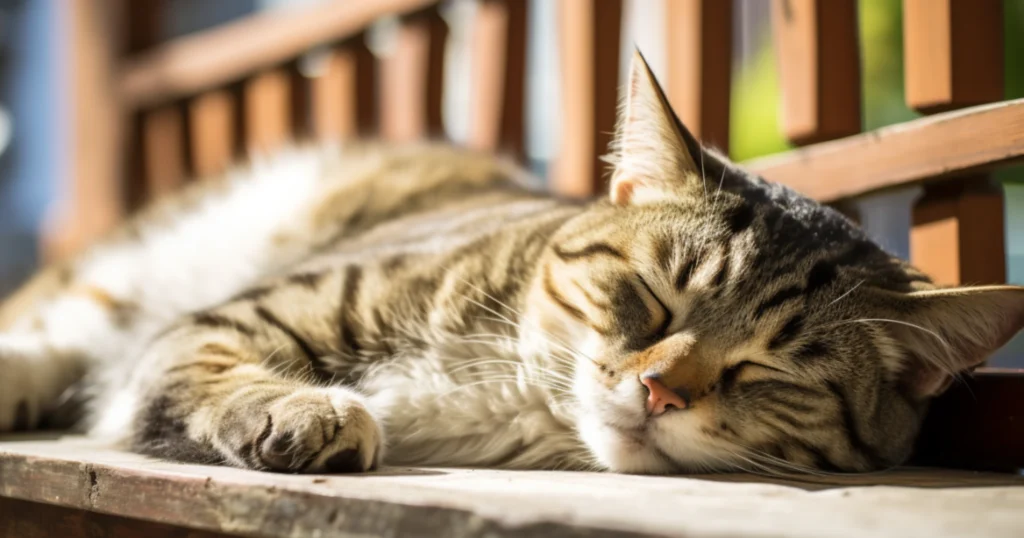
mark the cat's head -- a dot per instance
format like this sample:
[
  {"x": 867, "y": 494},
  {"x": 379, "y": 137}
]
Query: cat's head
[{"x": 719, "y": 321}]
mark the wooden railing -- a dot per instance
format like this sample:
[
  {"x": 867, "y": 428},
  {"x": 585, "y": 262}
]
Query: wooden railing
[{"x": 161, "y": 113}]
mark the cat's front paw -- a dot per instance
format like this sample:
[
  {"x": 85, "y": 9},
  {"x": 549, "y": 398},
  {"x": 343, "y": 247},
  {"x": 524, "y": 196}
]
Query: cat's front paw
[
  {"x": 27, "y": 381},
  {"x": 18, "y": 404},
  {"x": 320, "y": 430}
]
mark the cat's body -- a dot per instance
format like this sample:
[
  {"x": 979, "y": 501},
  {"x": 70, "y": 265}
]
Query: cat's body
[
  {"x": 290, "y": 315},
  {"x": 391, "y": 267}
]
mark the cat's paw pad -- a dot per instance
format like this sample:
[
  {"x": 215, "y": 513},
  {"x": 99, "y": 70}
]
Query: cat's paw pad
[{"x": 320, "y": 430}]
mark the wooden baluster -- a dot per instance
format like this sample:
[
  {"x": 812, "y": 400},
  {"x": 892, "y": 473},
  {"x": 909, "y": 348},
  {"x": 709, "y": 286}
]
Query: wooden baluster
[
  {"x": 412, "y": 79},
  {"x": 953, "y": 53},
  {"x": 157, "y": 141},
  {"x": 268, "y": 101},
  {"x": 163, "y": 151},
  {"x": 958, "y": 233},
  {"x": 590, "y": 32},
  {"x": 499, "y": 75},
  {"x": 816, "y": 45},
  {"x": 92, "y": 195},
  {"x": 699, "y": 42},
  {"x": 212, "y": 131},
  {"x": 343, "y": 92},
  {"x": 954, "y": 58}
]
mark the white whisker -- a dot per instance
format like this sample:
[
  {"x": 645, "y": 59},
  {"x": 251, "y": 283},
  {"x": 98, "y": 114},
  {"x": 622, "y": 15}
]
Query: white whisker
[{"x": 843, "y": 296}]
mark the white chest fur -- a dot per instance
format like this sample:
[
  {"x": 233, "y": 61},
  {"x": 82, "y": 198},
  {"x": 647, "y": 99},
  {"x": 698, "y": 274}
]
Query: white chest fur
[{"x": 474, "y": 404}]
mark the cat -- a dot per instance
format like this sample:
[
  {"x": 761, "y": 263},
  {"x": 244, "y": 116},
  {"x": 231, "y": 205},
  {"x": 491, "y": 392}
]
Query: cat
[{"x": 697, "y": 318}]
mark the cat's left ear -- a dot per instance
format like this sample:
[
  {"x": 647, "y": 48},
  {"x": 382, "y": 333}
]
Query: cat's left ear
[
  {"x": 946, "y": 332},
  {"x": 655, "y": 157}
]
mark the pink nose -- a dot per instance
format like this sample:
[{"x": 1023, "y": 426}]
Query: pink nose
[{"x": 660, "y": 398}]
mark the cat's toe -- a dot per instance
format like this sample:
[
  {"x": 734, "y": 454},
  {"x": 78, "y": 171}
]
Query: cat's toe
[{"x": 320, "y": 430}]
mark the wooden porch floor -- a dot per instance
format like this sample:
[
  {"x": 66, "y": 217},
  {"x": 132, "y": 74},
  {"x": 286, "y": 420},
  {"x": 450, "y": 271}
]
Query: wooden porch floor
[{"x": 76, "y": 487}]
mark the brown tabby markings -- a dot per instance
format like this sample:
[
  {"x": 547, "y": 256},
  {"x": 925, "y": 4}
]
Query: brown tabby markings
[{"x": 785, "y": 330}]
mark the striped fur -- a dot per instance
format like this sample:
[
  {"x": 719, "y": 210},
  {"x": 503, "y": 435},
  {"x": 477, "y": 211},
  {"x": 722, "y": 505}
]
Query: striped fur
[{"x": 332, "y": 308}]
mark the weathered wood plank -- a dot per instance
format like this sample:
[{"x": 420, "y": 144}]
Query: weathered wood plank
[
  {"x": 938, "y": 146},
  {"x": 437, "y": 502},
  {"x": 818, "y": 55},
  {"x": 953, "y": 53},
  {"x": 699, "y": 35},
  {"x": 499, "y": 76},
  {"x": 589, "y": 33},
  {"x": 21, "y": 519},
  {"x": 412, "y": 79},
  {"x": 210, "y": 59}
]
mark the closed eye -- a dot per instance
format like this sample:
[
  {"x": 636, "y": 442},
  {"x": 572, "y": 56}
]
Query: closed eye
[
  {"x": 662, "y": 329},
  {"x": 728, "y": 377}
]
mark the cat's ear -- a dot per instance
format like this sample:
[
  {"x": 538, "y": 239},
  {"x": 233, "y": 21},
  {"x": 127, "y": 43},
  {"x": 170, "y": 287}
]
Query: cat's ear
[
  {"x": 950, "y": 331},
  {"x": 654, "y": 156}
]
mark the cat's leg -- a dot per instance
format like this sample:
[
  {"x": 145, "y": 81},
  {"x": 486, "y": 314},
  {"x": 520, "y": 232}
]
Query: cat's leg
[{"x": 234, "y": 385}]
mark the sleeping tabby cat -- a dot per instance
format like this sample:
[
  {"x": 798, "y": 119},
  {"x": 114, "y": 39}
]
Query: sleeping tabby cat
[{"x": 288, "y": 315}]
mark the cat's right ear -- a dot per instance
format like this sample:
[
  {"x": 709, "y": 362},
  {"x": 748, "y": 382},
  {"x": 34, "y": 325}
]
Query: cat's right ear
[
  {"x": 947, "y": 332},
  {"x": 655, "y": 158}
]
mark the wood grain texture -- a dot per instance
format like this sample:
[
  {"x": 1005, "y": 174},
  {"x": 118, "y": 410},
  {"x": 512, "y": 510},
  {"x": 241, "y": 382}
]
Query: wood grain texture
[
  {"x": 699, "y": 42},
  {"x": 498, "y": 76},
  {"x": 589, "y": 32},
  {"x": 818, "y": 56},
  {"x": 412, "y": 79},
  {"x": 343, "y": 100},
  {"x": 953, "y": 53},
  {"x": 213, "y": 131},
  {"x": 949, "y": 144},
  {"x": 84, "y": 475},
  {"x": 209, "y": 59},
  {"x": 21, "y": 519}
]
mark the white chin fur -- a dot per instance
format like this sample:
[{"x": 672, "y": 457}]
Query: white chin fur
[{"x": 619, "y": 452}]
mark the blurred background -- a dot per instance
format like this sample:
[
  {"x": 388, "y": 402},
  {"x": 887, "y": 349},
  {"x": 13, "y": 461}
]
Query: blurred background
[{"x": 35, "y": 106}]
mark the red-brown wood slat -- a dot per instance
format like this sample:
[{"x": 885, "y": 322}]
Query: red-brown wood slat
[
  {"x": 953, "y": 53},
  {"x": 699, "y": 41},
  {"x": 163, "y": 151},
  {"x": 92, "y": 195},
  {"x": 957, "y": 235},
  {"x": 216, "y": 57},
  {"x": 268, "y": 101},
  {"x": 499, "y": 76},
  {"x": 212, "y": 133},
  {"x": 343, "y": 92},
  {"x": 412, "y": 79},
  {"x": 816, "y": 47},
  {"x": 954, "y": 58},
  {"x": 590, "y": 31},
  {"x": 976, "y": 424}
]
